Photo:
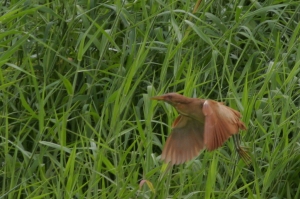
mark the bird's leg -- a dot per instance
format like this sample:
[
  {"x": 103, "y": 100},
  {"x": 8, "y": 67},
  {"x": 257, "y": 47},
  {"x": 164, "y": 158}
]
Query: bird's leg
[{"x": 243, "y": 153}]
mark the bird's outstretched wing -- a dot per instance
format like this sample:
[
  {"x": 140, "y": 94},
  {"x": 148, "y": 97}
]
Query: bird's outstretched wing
[
  {"x": 185, "y": 141},
  {"x": 220, "y": 123}
]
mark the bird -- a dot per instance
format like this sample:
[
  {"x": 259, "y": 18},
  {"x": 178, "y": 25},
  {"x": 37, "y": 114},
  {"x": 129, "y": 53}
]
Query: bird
[{"x": 201, "y": 123}]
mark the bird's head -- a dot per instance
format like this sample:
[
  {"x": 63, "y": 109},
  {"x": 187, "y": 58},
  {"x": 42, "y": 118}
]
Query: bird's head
[{"x": 175, "y": 99}]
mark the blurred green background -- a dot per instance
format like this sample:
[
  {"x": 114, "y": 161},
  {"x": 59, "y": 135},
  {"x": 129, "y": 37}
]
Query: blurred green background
[{"x": 76, "y": 80}]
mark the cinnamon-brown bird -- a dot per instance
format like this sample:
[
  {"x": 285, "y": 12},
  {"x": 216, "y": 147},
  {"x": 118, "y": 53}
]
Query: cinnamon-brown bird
[{"x": 201, "y": 124}]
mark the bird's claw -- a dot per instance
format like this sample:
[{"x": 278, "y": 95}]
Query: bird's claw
[{"x": 244, "y": 154}]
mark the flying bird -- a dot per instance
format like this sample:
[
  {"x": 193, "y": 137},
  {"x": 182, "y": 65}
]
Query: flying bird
[{"x": 202, "y": 123}]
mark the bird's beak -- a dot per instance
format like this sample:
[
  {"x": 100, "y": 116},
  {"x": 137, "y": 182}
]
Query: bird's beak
[{"x": 158, "y": 98}]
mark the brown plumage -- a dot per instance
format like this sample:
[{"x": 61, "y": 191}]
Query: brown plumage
[{"x": 201, "y": 124}]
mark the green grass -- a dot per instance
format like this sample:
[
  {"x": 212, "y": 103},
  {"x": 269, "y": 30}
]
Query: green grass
[{"x": 75, "y": 85}]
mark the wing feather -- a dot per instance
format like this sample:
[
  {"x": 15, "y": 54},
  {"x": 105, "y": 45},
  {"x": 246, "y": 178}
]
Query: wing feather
[
  {"x": 185, "y": 141},
  {"x": 220, "y": 123}
]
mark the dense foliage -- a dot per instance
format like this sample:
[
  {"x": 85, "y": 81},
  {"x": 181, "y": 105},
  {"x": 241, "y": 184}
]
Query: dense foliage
[{"x": 76, "y": 80}]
